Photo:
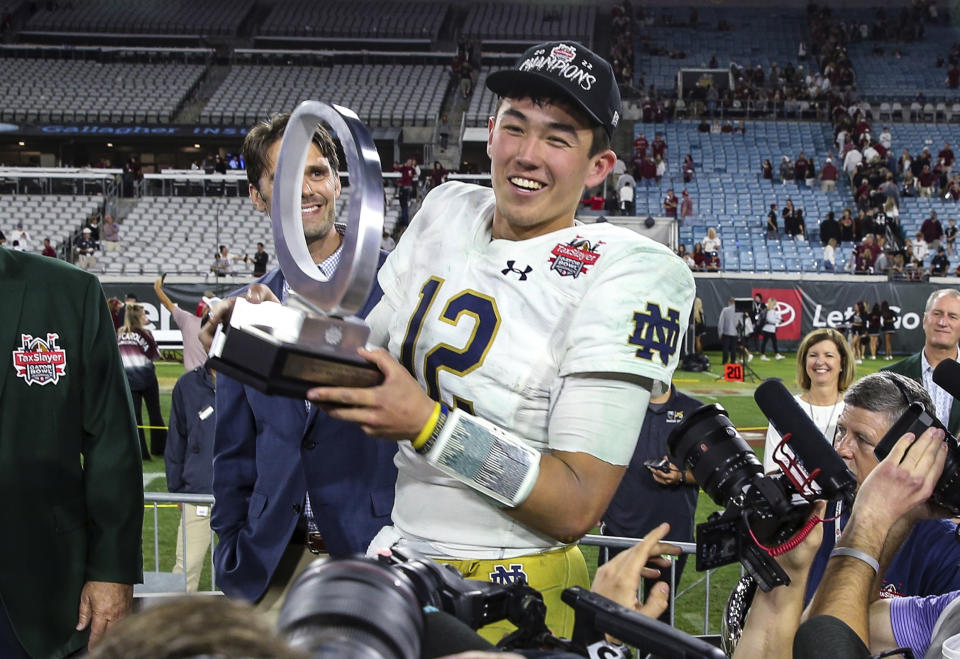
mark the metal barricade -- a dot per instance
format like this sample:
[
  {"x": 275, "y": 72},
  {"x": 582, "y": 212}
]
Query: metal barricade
[
  {"x": 157, "y": 581},
  {"x": 620, "y": 542},
  {"x": 163, "y": 583}
]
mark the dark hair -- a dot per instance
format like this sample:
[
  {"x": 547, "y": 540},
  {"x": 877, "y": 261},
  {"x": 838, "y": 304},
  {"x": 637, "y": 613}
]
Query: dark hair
[
  {"x": 600, "y": 142},
  {"x": 262, "y": 136},
  {"x": 259, "y": 244}
]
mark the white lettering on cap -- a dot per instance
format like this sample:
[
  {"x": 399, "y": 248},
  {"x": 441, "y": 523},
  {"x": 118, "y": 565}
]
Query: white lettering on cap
[{"x": 560, "y": 68}]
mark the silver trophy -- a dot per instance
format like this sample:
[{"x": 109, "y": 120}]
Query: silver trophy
[{"x": 313, "y": 340}]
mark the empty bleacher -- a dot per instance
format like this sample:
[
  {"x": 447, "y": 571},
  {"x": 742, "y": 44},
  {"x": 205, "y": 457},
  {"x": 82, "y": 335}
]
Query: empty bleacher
[
  {"x": 52, "y": 216},
  {"x": 381, "y": 94},
  {"x": 69, "y": 90},
  {"x": 177, "y": 17},
  {"x": 495, "y": 21},
  {"x": 482, "y": 103},
  {"x": 360, "y": 20},
  {"x": 180, "y": 235},
  {"x": 729, "y": 194},
  {"x": 755, "y": 38}
]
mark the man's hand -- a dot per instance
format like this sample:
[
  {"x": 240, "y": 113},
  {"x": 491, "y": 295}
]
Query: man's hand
[
  {"x": 796, "y": 562},
  {"x": 619, "y": 579},
  {"x": 903, "y": 481},
  {"x": 220, "y": 315},
  {"x": 397, "y": 408},
  {"x": 672, "y": 478},
  {"x": 103, "y": 603}
]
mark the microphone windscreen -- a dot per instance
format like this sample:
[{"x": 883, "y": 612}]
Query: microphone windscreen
[
  {"x": 443, "y": 634},
  {"x": 947, "y": 375},
  {"x": 806, "y": 440},
  {"x": 822, "y": 634}
]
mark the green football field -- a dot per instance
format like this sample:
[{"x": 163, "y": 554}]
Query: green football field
[{"x": 736, "y": 397}]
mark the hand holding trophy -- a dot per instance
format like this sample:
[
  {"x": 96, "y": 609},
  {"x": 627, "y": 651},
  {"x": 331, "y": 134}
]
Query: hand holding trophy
[{"x": 312, "y": 340}]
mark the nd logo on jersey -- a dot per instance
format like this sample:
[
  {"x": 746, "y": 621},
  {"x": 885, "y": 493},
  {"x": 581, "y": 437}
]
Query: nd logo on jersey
[
  {"x": 38, "y": 361},
  {"x": 654, "y": 333},
  {"x": 505, "y": 576}
]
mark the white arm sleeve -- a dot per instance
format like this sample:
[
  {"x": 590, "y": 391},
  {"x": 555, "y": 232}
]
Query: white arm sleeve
[{"x": 599, "y": 416}]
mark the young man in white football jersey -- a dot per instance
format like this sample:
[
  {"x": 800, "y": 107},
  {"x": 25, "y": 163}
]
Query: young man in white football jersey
[{"x": 521, "y": 346}]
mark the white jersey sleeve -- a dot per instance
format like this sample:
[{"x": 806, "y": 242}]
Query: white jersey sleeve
[{"x": 633, "y": 317}]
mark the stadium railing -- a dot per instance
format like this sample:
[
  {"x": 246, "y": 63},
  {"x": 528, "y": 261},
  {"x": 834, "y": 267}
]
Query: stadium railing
[{"x": 158, "y": 582}]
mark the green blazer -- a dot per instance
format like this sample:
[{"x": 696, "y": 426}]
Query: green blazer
[
  {"x": 71, "y": 480},
  {"x": 911, "y": 367}
]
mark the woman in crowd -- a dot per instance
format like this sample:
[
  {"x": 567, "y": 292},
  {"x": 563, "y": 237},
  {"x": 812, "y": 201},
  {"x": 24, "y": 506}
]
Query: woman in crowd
[
  {"x": 847, "y": 230},
  {"x": 699, "y": 258},
  {"x": 859, "y": 329},
  {"x": 771, "y": 320},
  {"x": 711, "y": 243},
  {"x": 138, "y": 350},
  {"x": 909, "y": 186},
  {"x": 757, "y": 312},
  {"x": 686, "y": 256},
  {"x": 699, "y": 325},
  {"x": 766, "y": 171},
  {"x": 829, "y": 255},
  {"x": 687, "y": 168},
  {"x": 825, "y": 368},
  {"x": 787, "y": 214},
  {"x": 890, "y": 318},
  {"x": 874, "y": 327},
  {"x": 824, "y": 371}
]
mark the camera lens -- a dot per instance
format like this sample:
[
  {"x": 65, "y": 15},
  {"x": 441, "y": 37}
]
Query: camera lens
[
  {"x": 710, "y": 446},
  {"x": 352, "y": 608}
]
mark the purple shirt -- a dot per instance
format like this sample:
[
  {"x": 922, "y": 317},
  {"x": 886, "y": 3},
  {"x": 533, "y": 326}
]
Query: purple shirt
[{"x": 913, "y": 619}]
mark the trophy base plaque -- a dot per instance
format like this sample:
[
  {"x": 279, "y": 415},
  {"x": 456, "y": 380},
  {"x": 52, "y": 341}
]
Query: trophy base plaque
[{"x": 283, "y": 351}]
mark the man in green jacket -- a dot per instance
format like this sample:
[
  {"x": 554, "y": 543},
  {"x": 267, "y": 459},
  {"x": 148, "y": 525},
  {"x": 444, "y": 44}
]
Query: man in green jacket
[
  {"x": 941, "y": 329},
  {"x": 70, "y": 473}
]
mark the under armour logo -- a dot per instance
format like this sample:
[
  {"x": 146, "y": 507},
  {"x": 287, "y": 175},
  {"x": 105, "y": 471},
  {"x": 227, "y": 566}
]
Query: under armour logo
[
  {"x": 656, "y": 333},
  {"x": 504, "y": 576},
  {"x": 523, "y": 273}
]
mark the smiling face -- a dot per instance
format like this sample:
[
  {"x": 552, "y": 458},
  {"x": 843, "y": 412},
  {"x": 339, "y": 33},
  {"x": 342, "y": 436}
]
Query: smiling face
[
  {"x": 823, "y": 364},
  {"x": 539, "y": 166},
  {"x": 941, "y": 325},
  {"x": 318, "y": 194}
]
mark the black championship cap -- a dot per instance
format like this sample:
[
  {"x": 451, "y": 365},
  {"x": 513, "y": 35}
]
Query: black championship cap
[{"x": 571, "y": 69}]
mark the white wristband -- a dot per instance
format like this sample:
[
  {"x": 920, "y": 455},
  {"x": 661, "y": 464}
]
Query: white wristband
[
  {"x": 485, "y": 457},
  {"x": 860, "y": 555}
]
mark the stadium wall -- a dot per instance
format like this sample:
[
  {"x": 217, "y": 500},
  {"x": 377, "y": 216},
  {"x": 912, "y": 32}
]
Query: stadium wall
[{"x": 805, "y": 304}]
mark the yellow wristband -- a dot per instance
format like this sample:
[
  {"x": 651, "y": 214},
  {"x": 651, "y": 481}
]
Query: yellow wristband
[{"x": 428, "y": 427}]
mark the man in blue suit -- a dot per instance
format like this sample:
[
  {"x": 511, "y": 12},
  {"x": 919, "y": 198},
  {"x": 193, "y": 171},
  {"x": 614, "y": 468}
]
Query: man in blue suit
[{"x": 290, "y": 482}]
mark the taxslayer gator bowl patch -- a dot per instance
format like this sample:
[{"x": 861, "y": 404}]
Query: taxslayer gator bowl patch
[
  {"x": 38, "y": 361},
  {"x": 574, "y": 258}
]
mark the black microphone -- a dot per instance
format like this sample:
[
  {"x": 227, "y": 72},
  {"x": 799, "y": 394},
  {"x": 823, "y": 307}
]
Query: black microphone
[
  {"x": 443, "y": 634},
  {"x": 824, "y": 631},
  {"x": 806, "y": 440},
  {"x": 947, "y": 375}
]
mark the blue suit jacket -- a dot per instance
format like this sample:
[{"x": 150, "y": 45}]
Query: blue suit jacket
[{"x": 268, "y": 452}]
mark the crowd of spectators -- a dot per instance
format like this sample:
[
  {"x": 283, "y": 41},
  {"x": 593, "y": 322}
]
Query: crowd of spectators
[
  {"x": 621, "y": 43},
  {"x": 879, "y": 180}
]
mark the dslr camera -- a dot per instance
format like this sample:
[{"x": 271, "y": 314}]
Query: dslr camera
[{"x": 762, "y": 512}]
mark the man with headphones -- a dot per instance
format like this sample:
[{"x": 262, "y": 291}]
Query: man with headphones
[{"x": 928, "y": 561}]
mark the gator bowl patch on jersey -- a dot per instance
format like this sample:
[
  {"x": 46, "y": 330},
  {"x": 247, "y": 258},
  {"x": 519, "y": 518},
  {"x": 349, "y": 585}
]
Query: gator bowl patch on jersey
[
  {"x": 574, "y": 258},
  {"x": 38, "y": 361}
]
